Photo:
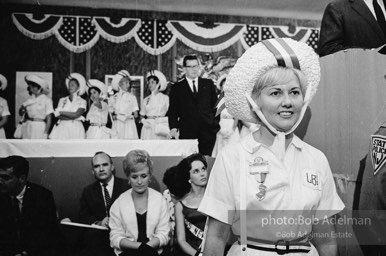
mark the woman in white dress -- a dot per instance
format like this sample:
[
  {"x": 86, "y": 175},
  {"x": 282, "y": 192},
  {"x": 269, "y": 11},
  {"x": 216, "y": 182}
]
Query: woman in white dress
[
  {"x": 37, "y": 108},
  {"x": 228, "y": 133},
  {"x": 70, "y": 110},
  {"x": 271, "y": 174},
  {"x": 4, "y": 110},
  {"x": 154, "y": 107},
  {"x": 124, "y": 107},
  {"x": 98, "y": 113}
]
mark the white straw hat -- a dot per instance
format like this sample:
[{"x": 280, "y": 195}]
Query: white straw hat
[
  {"x": 115, "y": 82},
  {"x": 161, "y": 77},
  {"x": 260, "y": 58},
  {"x": 3, "y": 82},
  {"x": 39, "y": 81},
  {"x": 81, "y": 80},
  {"x": 98, "y": 84}
]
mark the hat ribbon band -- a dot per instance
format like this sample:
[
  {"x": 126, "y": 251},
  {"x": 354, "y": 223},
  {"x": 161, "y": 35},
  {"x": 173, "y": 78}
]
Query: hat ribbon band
[{"x": 282, "y": 52}]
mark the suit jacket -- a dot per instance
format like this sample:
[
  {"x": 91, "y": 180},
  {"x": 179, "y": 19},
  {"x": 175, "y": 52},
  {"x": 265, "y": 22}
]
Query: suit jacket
[
  {"x": 349, "y": 24},
  {"x": 123, "y": 219},
  {"x": 190, "y": 114},
  {"x": 92, "y": 202},
  {"x": 39, "y": 230}
]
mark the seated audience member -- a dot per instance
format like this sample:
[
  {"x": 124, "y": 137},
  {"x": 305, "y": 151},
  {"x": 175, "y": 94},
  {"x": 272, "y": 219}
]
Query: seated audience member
[
  {"x": 28, "y": 220},
  {"x": 192, "y": 178},
  {"x": 139, "y": 218},
  {"x": 4, "y": 110},
  {"x": 95, "y": 204},
  {"x": 352, "y": 24}
]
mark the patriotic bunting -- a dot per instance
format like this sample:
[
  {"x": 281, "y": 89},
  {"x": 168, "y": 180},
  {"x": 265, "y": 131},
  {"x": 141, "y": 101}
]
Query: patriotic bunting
[
  {"x": 79, "y": 33},
  {"x": 207, "y": 37}
]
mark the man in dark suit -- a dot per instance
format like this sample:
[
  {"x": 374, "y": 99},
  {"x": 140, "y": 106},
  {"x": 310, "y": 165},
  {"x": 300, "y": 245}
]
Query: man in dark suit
[
  {"x": 352, "y": 24},
  {"x": 192, "y": 107},
  {"x": 95, "y": 204},
  {"x": 28, "y": 219}
]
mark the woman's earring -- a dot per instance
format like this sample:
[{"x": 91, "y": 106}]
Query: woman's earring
[{"x": 189, "y": 181}]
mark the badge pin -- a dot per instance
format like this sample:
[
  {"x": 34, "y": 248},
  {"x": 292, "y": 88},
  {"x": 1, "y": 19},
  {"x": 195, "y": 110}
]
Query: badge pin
[{"x": 262, "y": 192}]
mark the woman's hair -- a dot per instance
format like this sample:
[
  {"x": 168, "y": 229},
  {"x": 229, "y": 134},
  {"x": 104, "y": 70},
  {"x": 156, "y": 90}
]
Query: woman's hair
[
  {"x": 136, "y": 160},
  {"x": 124, "y": 79},
  {"x": 277, "y": 75},
  {"x": 95, "y": 88},
  {"x": 183, "y": 175},
  {"x": 169, "y": 179},
  {"x": 154, "y": 78},
  {"x": 33, "y": 84}
]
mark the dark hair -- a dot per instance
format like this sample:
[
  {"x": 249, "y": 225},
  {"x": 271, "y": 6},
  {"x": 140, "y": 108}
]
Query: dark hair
[
  {"x": 183, "y": 174},
  {"x": 135, "y": 158},
  {"x": 19, "y": 165},
  {"x": 95, "y": 88},
  {"x": 100, "y": 153},
  {"x": 169, "y": 179},
  {"x": 153, "y": 77},
  {"x": 33, "y": 84},
  {"x": 189, "y": 57}
]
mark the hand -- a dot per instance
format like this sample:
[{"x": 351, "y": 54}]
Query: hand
[
  {"x": 103, "y": 223},
  {"x": 146, "y": 250},
  {"x": 173, "y": 133}
]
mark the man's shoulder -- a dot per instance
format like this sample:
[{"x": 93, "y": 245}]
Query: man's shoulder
[
  {"x": 91, "y": 186},
  {"x": 121, "y": 182}
]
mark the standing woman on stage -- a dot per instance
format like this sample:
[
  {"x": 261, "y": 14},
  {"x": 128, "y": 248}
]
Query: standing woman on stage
[
  {"x": 155, "y": 106},
  {"x": 70, "y": 110},
  {"x": 139, "y": 218},
  {"x": 38, "y": 109},
  {"x": 4, "y": 110},
  {"x": 124, "y": 107},
  {"x": 191, "y": 179},
  {"x": 98, "y": 112}
]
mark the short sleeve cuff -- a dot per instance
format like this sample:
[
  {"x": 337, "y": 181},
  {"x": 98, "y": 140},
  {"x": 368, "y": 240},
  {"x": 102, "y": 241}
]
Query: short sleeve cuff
[{"x": 217, "y": 210}]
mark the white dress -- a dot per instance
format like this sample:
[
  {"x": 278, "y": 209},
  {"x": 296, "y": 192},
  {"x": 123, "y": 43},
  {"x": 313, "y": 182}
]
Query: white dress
[
  {"x": 98, "y": 119},
  {"x": 37, "y": 110},
  {"x": 69, "y": 129},
  {"x": 226, "y": 135},
  {"x": 123, "y": 104},
  {"x": 153, "y": 106},
  {"x": 4, "y": 111},
  {"x": 295, "y": 188}
]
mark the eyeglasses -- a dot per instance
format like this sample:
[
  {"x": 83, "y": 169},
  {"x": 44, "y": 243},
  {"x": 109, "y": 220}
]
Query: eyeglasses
[{"x": 192, "y": 67}]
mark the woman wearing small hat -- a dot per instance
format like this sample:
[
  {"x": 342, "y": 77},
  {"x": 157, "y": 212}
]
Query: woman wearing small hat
[
  {"x": 271, "y": 175},
  {"x": 124, "y": 107},
  {"x": 99, "y": 110},
  {"x": 154, "y": 106},
  {"x": 38, "y": 109},
  {"x": 4, "y": 110},
  {"x": 70, "y": 110}
]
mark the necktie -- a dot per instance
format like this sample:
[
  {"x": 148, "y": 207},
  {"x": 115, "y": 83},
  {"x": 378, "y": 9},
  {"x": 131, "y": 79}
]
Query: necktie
[
  {"x": 107, "y": 199},
  {"x": 194, "y": 88},
  {"x": 17, "y": 214},
  {"x": 380, "y": 16}
]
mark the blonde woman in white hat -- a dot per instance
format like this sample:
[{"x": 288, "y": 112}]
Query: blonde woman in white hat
[
  {"x": 70, "y": 110},
  {"x": 124, "y": 107},
  {"x": 155, "y": 106},
  {"x": 229, "y": 132},
  {"x": 37, "y": 108},
  {"x": 271, "y": 175},
  {"x": 4, "y": 110},
  {"x": 98, "y": 112}
]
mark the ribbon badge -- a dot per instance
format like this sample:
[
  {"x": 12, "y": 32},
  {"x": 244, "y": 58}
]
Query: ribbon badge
[
  {"x": 259, "y": 169},
  {"x": 378, "y": 152}
]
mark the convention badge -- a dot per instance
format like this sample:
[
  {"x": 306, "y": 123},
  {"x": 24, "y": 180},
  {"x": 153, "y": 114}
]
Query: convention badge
[
  {"x": 378, "y": 152},
  {"x": 259, "y": 169},
  {"x": 312, "y": 179},
  {"x": 262, "y": 191}
]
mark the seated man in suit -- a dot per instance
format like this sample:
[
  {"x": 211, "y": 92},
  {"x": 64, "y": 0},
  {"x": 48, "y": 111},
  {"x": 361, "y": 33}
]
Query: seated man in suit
[
  {"x": 28, "y": 219},
  {"x": 95, "y": 204},
  {"x": 192, "y": 107}
]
